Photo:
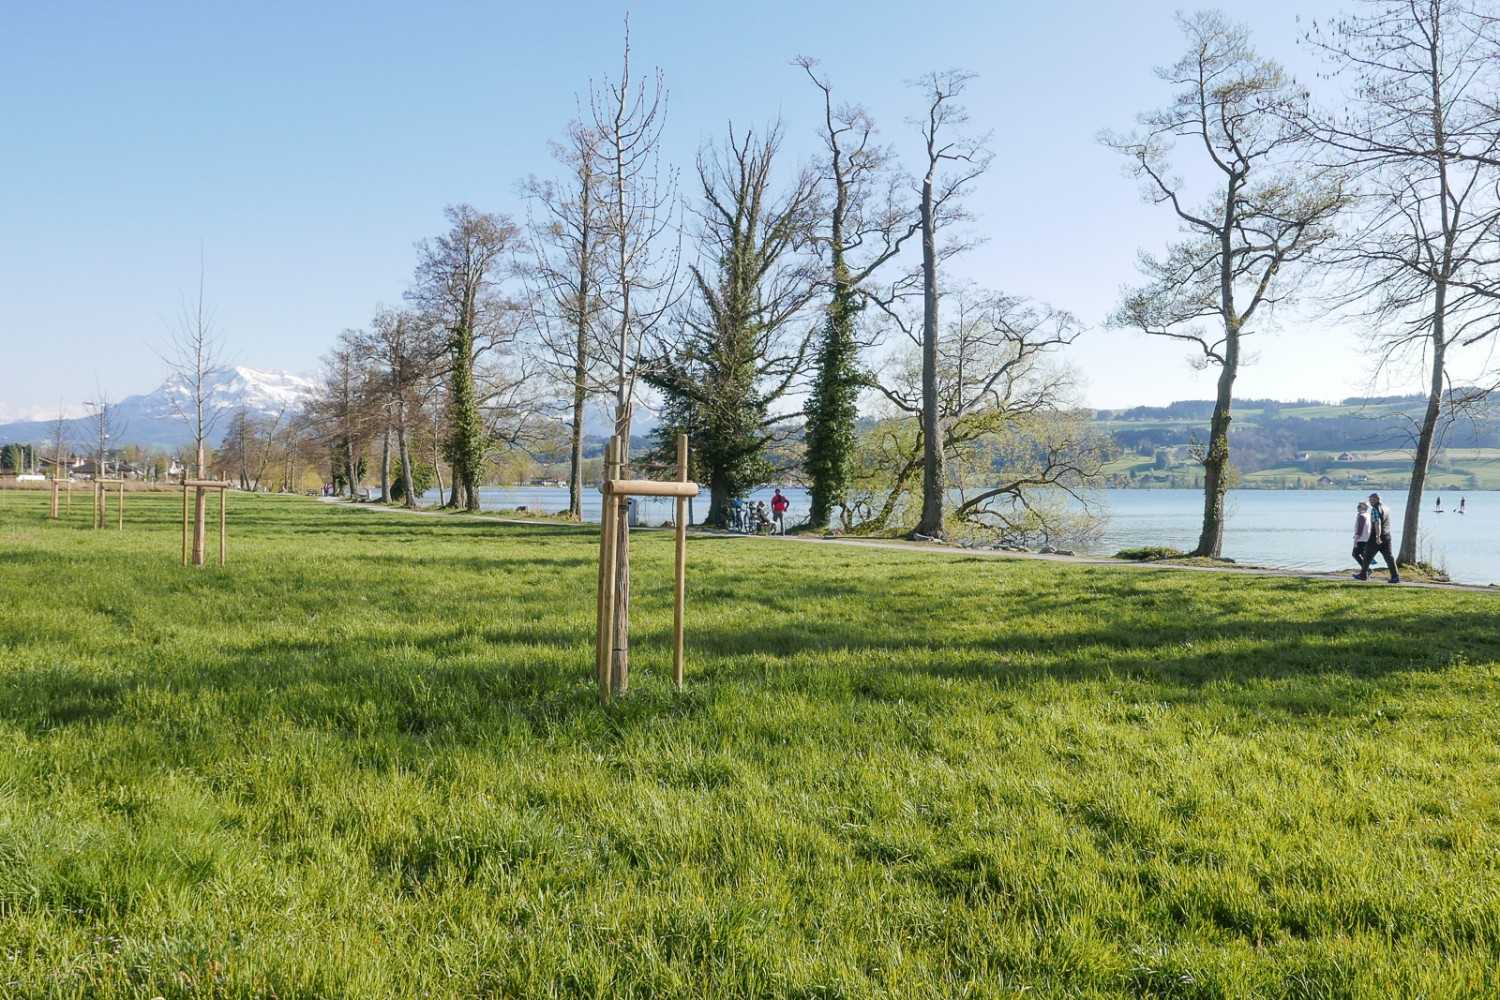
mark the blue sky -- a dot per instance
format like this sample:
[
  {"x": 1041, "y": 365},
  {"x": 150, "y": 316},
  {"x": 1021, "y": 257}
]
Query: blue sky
[{"x": 307, "y": 146}]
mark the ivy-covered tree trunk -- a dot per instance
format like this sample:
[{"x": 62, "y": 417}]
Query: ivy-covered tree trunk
[
  {"x": 832, "y": 408},
  {"x": 467, "y": 430}
]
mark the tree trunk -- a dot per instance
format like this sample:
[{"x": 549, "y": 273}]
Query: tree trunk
[
  {"x": 385, "y": 465},
  {"x": 619, "y": 670},
  {"x": 1426, "y": 435},
  {"x": 575, "y": 442},
  {"x": 403, "y": 447},
  {"x": 719, "y": 511},
  {"x": 1216, "y": 473},
  {"x": 931, "y": 522}
]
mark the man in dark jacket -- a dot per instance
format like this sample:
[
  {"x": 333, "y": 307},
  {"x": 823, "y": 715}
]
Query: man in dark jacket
[{"x": 1380, "y": 541}]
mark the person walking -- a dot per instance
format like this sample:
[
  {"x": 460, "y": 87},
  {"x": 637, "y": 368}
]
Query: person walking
[
  {"x": 1380, "y": 541},
  {"x": 1361, "y": 533},
  {"x": 737, "y": 513},
  {"x": 779, "y": 504}
]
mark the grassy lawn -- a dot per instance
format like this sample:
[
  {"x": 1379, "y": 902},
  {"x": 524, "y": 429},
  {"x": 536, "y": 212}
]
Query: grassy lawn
[{"x": 365, "y": 760}]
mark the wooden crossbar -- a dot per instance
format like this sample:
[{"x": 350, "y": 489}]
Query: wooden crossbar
[
  {"x": 617, "y": 492},
  {"x": 647, "y": 488}
]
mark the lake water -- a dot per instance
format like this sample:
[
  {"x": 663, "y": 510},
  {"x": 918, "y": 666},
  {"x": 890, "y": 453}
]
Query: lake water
[{"x": 1292, "y": 529}]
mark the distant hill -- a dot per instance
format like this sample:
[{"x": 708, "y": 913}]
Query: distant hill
[{"x": 151, "y": 421}]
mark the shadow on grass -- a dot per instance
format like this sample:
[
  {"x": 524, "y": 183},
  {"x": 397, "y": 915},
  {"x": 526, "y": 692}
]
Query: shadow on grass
[{"x": 782, "y": 623}]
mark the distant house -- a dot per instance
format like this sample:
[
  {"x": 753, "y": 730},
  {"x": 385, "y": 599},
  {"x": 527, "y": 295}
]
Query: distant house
[
  {"x": 1344, "y": 456},
  {"x": 1324, "y": 481},
  {"x": 1303, "y": 456}
]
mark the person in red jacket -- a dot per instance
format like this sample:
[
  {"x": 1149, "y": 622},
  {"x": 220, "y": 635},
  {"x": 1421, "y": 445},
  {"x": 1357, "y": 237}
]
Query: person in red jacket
[{"x": 779, "y": 504}]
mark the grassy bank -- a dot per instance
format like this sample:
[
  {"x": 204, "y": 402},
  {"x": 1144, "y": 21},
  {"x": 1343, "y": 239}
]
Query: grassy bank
[{"x": 365, "y": 760}]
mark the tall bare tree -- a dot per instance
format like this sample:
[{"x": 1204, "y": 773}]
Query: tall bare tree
[
  {"x": 739, "y": 352},
  {"x": 953, "y": 159},
  {"x": 195, "y": 356},
  {"x": 104, "y": 423},
  {"x": 458, "y": 285},
  {"x": 342, "y": 410},
  {"x": 566, "y": 230},
  {"x": 866, "y": 226},
  {"x": 1265, "y": 211},
  {"x": 400, "y": 351},
  {"x": 59, "y": 430},
  {"x": 1007, "y": 416},
  {"x": 1423, "y": 134},
  {"x": 248, "y": 445},
  {"x": 194, "y": 353},
  {"x": 629, "y": 115}
]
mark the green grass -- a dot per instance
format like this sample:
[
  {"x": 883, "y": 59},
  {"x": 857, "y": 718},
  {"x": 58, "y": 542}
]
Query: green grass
[{"x": 365, "y": 760}]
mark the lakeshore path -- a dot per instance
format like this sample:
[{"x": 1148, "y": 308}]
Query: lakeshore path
[{"x": 1330, "y": 576}]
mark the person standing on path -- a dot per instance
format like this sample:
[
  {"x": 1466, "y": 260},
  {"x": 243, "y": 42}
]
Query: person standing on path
[
  {"x": 1361, "y": 533},
  {"x": 779, "y": 504},
  {"x": 1380, "y": 541}
]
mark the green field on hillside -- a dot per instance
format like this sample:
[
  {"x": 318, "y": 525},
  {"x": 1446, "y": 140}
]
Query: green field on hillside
[{"x": 365, "y": 759}]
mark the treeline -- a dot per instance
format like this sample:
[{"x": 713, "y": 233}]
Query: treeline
[{"x": 720, "y": 299}]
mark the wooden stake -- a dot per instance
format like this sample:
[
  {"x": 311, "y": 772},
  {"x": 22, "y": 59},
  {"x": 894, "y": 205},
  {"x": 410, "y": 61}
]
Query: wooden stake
[
  {"x": 679, "y": 590},
  {"x": 607, "y": 539},
  {"x": 120, "y": 503},
  {"x": 222, "y": 494},
  {"x": 184, "y": 522},
  {"x": 200, "y": 518},
  {"x": 619, "y": 665}
]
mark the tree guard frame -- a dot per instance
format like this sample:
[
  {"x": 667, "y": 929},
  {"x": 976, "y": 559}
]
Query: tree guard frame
[
  {"x": 57, "y": 484},
  {"x": 101, "y": 501},
  {"x": 201, "y": 488},
  {"x": 617, "y": 492}
]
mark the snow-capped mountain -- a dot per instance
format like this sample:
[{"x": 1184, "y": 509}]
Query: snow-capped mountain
[
  {"x": 261, "y": 393},
  {"x": 155, "y": 419}
]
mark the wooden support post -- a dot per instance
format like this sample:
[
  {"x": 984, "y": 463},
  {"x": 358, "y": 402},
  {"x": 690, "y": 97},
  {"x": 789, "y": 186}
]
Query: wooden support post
[
  {"x": 200, "y": 526},
  {"x": 679, "y": 589},
  {"x": 184, "y": 521},
  {"x": 604, "y": 649},
  {"x": 619, "y": 660},
  {"x": 223, "y": 493},
  {"x": 120, "y": 504}
]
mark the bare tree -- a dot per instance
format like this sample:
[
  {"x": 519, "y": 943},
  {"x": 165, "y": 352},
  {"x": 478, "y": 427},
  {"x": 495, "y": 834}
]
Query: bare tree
[
  {"x": 457, "y": 285},
  {"x": 59, "y": 432},
  {"x": 953, "y": 160},
  {"x": 566, "y": 230},
  {"x": 194, "y": 355},
  {"x": 342, "y": 411},
  {"x": 104, "y": 422},
  {"x": 400, "y": 352},
  {"x": 1424, "y": 136},
  {"x": 249, "y": 445},
  {"x": 1266, "y": 211},
  {"x": 867, "y": 225},
  {"x": 1008, "y": 419},
  {"x": 629, "y": 115}
]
